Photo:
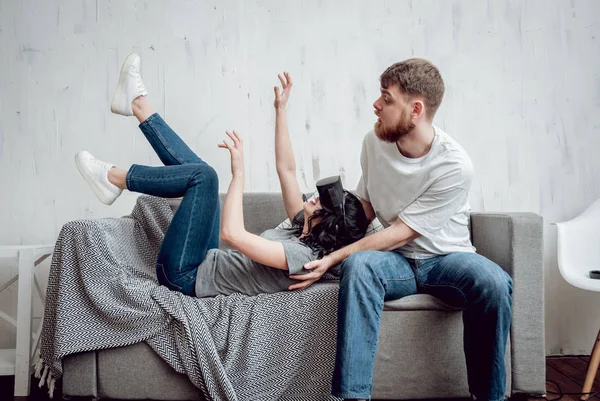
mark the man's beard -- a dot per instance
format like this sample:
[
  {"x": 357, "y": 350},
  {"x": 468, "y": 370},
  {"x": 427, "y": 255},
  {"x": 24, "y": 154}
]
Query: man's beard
[{"x": 392, "y": 135}]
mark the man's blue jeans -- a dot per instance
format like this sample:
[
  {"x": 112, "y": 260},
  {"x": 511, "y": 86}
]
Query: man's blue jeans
[
  {"x": 195, "y": 227},
  {"x": 465, "y": 280}
]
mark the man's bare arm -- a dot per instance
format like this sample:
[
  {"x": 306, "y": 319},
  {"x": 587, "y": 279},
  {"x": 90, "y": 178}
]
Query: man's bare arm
[
  {"x": 393, "y": 237},
  {"x": 368, "y": 209}
]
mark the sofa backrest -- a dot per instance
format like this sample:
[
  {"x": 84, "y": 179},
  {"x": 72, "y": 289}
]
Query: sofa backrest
[{"x": 262, "y": 210}]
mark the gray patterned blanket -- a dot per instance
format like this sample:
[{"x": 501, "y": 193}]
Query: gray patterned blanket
[{"x": 103, "y": 293}]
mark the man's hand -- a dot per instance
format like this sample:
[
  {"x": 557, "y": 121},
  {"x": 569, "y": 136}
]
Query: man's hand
[
  {"x": 282, "y": 96},
  {"x": 318, "y": 267}
]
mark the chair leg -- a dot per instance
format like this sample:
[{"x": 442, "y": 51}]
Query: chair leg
[{"x": 592, "y": 368}]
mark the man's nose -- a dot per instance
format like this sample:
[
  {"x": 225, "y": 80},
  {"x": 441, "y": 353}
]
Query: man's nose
[{"x": 376, "y": 105}]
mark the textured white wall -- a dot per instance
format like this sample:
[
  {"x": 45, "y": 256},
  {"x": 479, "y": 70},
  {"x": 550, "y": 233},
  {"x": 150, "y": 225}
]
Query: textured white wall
[{"x": 523, "y": 95}]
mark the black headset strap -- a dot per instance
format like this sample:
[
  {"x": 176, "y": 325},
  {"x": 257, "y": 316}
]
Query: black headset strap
[{"x": 337, "y": 207}]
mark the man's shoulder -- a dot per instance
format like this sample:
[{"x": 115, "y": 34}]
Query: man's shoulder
[
  {"x": 369, "y": 143},
  {"x": 451, "y": 148},
  {"x": 372, "y": 143},
  {"x": 369, "y": 136}
]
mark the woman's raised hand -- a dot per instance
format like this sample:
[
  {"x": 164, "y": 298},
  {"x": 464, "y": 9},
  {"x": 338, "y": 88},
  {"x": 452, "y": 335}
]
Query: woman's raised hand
[
  {"x": 282, "y": 96},
  {"x": 236, "y": 150}
]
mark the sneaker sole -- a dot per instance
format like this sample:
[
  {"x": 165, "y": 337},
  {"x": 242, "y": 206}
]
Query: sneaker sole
[
  {"x": 120, "y": 91},
  {"x": 91, "y": 182}
]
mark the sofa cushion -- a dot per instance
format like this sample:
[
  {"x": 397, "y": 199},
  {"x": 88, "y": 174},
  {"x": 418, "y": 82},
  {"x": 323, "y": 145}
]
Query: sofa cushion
[
  {"x": 80, "y": 379},
  {"x": 418, "y": 302},
  {"x": 136, "y": 372}
]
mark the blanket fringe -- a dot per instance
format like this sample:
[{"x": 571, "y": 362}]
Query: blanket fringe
[
  {"x": 39, "y": 364},
  {"x": 42, "y": 372},
  {"x": 43, "y": 379},
  {"x": 51, "y": 382}
]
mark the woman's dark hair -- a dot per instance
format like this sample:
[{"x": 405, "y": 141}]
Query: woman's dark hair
[{"x": 333, "y": 231}]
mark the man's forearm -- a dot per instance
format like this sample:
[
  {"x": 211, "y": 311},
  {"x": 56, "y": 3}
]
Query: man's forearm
[{"x": 384, "y": 240}]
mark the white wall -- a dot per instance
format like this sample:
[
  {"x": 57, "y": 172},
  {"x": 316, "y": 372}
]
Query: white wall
[{"x": 523, "y": 95}]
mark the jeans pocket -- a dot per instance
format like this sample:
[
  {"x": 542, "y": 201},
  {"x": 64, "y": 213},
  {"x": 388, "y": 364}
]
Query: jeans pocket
[{"x": 163, "y": 279}]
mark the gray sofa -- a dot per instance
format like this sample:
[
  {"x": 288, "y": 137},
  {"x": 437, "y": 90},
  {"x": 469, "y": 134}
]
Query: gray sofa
[{"x": 420, "y": 351}]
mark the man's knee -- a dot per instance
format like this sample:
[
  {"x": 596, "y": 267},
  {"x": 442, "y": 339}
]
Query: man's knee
[
  {"x": 495, "y": 285},
  {"x": 358, "y": 266}
]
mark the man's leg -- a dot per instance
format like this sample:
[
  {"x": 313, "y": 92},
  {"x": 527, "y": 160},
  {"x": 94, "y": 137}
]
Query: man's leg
[
  {"x": 484, "y": 290},
  {"x": 367, "y": 279}
]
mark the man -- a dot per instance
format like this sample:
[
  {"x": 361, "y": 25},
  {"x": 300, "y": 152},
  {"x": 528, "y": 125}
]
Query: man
[{"x": 416, "y": 180}]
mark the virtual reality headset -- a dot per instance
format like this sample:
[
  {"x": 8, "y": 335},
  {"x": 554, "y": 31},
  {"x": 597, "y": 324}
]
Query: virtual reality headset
[{"x": 331, "y": 193}]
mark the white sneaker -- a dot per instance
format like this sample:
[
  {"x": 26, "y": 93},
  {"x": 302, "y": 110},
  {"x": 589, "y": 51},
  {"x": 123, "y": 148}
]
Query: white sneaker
[
  {"x": 95, "y": 172},
  {"x": 130, "y": 86}
]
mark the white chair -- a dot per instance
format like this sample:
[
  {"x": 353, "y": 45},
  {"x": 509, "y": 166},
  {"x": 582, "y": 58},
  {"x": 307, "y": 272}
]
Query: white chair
[{"x": 578, "y": 251}]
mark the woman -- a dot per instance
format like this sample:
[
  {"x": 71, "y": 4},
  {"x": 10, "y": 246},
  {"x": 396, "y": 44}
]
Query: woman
[{"x": 189, "y": 260}]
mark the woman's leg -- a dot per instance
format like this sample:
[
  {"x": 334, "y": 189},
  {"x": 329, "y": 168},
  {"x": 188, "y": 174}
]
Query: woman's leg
[
  {"x": 130, "y": 99},
  {"x": 194, "y": 228},
  {"x": 169, "y": 147}
]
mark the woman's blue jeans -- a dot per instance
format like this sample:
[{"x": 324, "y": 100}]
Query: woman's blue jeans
[
  {"x": 465, "y": 280},
  {"x": 195, "y": 226}
]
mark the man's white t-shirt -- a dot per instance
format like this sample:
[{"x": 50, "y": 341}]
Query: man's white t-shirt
[{"x": 430, "y": 194}]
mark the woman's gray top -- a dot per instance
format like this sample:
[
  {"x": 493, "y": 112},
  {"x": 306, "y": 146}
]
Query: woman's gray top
[{"x": 227, "y": 272}]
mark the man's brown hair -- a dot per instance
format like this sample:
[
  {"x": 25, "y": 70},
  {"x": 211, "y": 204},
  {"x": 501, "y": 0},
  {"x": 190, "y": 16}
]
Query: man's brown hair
[{"x": 416, "y": 77}]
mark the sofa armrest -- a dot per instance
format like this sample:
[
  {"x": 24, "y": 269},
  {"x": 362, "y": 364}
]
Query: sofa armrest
[
  {"x": 80, "y": 370},
  {"x": 515, "y": 242}
]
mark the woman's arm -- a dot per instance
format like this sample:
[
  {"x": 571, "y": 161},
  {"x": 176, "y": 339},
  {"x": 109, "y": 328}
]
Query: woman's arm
[
  {"x": 261, "y": 250},
  {"x": 284, "y": 155},
  {"x": 233, "y": 232}
]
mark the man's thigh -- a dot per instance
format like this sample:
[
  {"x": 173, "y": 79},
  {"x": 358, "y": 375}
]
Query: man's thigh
[
  {"x": 457, "y": 277},
  {"x": 388, "y": 268}
]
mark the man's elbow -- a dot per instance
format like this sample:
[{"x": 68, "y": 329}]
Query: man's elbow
[
  {"x": 396, "y": 244},
  {"x": 402, "y": 234}
]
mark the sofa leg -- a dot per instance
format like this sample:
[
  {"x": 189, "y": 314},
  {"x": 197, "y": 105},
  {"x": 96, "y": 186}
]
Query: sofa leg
[{"x": 592, "y": 368}]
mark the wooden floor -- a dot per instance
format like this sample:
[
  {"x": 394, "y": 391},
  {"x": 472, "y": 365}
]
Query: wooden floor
[{"x": 568, "y": 372}]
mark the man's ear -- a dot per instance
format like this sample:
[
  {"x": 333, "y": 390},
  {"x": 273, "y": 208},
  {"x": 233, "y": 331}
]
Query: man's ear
[{"x": 418, "y": 108}]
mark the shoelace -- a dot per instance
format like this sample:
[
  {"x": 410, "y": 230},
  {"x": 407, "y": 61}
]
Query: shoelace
[
  {"x": 138, "y": 79},
  {"x": 140, "y": 84},
  {"x": 99, "y": 163},
  {"x": 104, "y": 166}
]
